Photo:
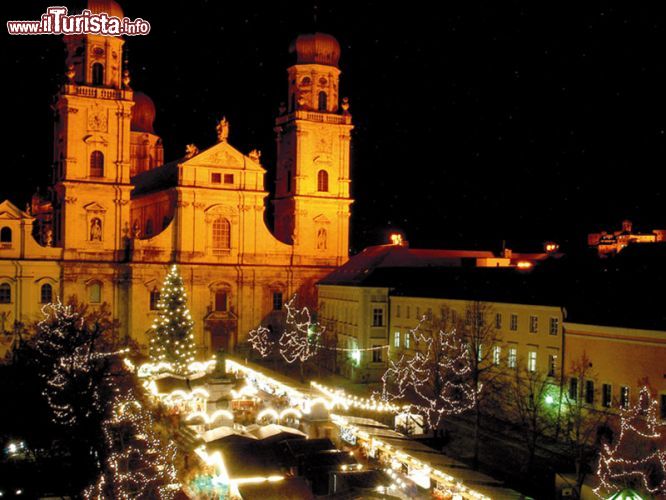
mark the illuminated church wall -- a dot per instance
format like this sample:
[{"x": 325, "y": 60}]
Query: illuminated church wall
[{"x": 119, "y": 216}]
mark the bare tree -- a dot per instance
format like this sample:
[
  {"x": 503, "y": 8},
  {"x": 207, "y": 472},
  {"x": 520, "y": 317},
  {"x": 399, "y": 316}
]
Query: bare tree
[
  {"x": 532, "y": 401},
  {"x": 478, "y": 332},
  {"x": 582, "y": 421}
]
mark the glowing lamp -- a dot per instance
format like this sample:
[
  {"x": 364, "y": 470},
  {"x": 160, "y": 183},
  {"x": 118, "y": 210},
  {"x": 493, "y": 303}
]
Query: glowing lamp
[
  {"x": 524, "y": 264},
  {"x": 356, "y": 356},
  {"x": 549, "y": 400},
  {"x": 396, "y": 239}
]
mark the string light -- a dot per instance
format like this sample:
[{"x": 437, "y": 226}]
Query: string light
[
  {"x": 260, "y": 341},
  {"x": 300, "y": 340},
  {"x": 436, "y": 377},
  {"x": 69, "y": 346},
  {"x": 626, "y": 460},
  {"x": 398, "y": 458},
  {"x": 123, "y": 477}
]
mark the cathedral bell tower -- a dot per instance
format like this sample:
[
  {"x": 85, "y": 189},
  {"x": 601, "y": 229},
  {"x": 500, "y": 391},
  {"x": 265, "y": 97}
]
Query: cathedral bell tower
[
  {"x": 91, "y": 172},
  {"x": 312, "y": 197}
]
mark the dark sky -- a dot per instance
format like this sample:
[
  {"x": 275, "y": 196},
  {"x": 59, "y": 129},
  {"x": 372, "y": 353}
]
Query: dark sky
[{"x": 473, "y": 124}]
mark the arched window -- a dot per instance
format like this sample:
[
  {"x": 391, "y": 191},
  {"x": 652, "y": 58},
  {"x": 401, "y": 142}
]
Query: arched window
[
  {"x": 96, "y": 164},
  {"x": 322, "y": 181},
  {"x": 221, "y": 234},
  {"x": 6, "y": 235},
  {"x": 97, "y": 74},
  {"x": 306, "y": 81},
  {"x": 5, "y": 293},
  {"x": 149, "y": 227},
  {"x": 46, "y": 294},
  {"x": 95, "y": 293},
  {"x": 323, "y": 101}
]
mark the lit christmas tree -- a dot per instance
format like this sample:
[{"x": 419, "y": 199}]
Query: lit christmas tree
[
  {"x": 172, "y": 343},
  {"x": 637, "y": 459}
]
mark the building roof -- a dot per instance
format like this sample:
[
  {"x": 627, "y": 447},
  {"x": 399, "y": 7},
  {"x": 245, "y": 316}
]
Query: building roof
[
  {"x": 316, "y": 48},
  {"x": 621, "y": 291},
  {"x": 361, "y": 266},
  {"x": 293, "y": 488}
]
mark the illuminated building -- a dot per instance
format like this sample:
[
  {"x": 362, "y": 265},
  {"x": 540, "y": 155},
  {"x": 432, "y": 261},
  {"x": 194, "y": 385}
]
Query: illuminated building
[
  {"x": 613, "y": 243},
  {"x": 118, "y": 216},
  {"x": 375, "y": 294},
  {"x": 621, "y": 360}
]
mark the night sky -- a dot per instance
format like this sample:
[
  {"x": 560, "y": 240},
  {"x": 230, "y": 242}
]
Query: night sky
[{"x": 473, "y": 124}]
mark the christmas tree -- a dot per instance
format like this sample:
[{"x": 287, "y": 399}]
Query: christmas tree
[{"x": 172, "y": 341}]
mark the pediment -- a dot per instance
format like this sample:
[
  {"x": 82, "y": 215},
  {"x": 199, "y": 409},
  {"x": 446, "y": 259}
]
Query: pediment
[
  {"x": 9, "y": 211},
  {"x": 321, "y": 219},
  {"x": 94, "y": 207},
  {"x": 95, "y": 139},
  {"x": 223, "y": 155}
]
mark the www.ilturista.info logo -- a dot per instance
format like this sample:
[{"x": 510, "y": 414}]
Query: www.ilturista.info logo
[{"x": 56, "y": 21}]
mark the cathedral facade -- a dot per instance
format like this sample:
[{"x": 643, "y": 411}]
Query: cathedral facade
[{"x": 118, "y": 216}]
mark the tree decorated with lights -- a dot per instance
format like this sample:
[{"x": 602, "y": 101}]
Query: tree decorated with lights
[
  {"x": 637, "y": 459},
  {"x": 260, "y": 340},
  {"x": 172, "y": 342},
  {"x": 138, "y": 462},
  {"x": 300, "y": 339},
  {"x": 434, "y": 378},
  {"x": 74, "y": 347}
]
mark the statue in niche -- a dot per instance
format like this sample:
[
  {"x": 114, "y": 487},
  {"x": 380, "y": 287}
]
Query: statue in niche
[
  {"x": 321, "y": 239},
  {"x": 222, "y": 129},
  {"x": 96, "y": 229}
]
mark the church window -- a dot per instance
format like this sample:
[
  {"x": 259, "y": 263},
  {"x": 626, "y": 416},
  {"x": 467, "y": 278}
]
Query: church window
[
  {"x": 323, "y": 101},
  {"x": 97, "y": 74},
  {"x": 97, "y": 164},
  {"x": 306, "y": 81},
  {"x": 154, "y": 299},
  {"x": 221, "y": 234},
  {"x": 149, "y": 227},
  {"x": 228, "y": 178},
  {"x": 46, "y": 294},
  {"x": 5, "y": 293},
  {"x": 277, "y": 301},
  {"x": 221, "y": 301},
  {"x": 95, "y": 293},
  {"x": 6, "y": 235},
  {"x": 322, "y": 181},
  {"x": 216, "y": 178}
]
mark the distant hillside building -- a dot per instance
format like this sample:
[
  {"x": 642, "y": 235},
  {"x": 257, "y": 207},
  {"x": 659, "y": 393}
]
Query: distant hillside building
[{"x": 613, "y": 243}]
